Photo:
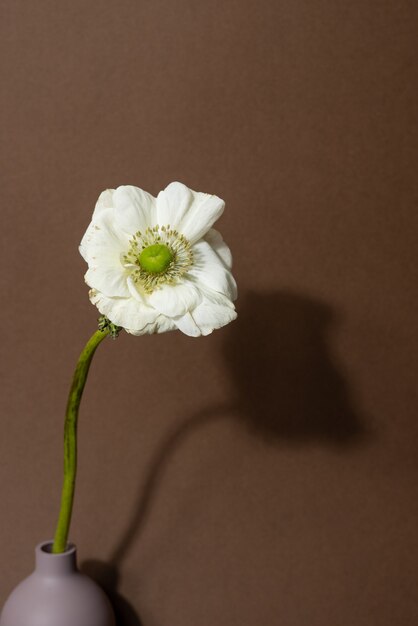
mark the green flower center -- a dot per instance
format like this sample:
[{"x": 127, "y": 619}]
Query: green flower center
[
  {"x": 158, "y": 256},
  {"x": 155, "y": 259}
]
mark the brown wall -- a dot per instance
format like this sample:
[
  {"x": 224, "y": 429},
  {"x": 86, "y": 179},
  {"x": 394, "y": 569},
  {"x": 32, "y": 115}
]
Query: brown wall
[{"x": 265, "y": 475}]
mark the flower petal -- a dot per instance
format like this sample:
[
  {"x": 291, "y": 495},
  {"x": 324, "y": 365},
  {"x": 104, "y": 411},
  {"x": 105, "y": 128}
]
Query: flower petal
[
  {"x": 173, "y": 203},
  {"x": 204, "y": 212},
  {"x": 211, "y": 314},
  {"x": 190, "y": 212},
  {"x": 125, "y": 312},
  {"x": 103, "y": 243},
  {"x": 161, "y": 325},
  {"x": 105, "y": 201},
  {"x": 187, "y": 325},
  {"x": 135, "y": 209},
  {"x": 111, "y": 281},
  {"x": 134, "y": 291},
  {"x": 174, "y": 300},
  {"x": 215, "y": 240},
  {"x": 210, "y": 270}
]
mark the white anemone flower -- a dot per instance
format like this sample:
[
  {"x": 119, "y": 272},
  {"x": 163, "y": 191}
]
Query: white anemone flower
[{"x": 156, "y": 264}]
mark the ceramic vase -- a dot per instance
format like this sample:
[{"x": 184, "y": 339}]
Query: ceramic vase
[{"x": 57, "y": 594}]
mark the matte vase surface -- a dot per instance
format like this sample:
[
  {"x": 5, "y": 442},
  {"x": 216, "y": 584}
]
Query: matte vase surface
[{"x": 57, "y": 594}]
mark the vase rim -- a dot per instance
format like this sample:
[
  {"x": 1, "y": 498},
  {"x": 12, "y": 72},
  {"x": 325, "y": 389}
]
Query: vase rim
[{"x": 42, "y": 548}]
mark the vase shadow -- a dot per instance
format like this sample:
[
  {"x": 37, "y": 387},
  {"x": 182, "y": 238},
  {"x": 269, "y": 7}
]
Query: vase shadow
[
  {"x": 287, "y": 388},
  {"x": 106, "y": 575}
]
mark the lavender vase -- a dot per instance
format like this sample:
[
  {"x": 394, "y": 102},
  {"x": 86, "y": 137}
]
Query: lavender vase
[{"x": 57, "y": 594}]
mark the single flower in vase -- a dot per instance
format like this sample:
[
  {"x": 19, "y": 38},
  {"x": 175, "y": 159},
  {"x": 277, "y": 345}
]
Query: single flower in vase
[{"x": 154, "y": 265}]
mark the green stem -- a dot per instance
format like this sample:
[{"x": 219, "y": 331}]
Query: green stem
[{"x": 70, "y": 439}]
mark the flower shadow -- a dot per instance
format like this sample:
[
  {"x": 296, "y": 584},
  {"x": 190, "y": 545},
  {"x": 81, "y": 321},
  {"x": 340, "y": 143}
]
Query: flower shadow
[{"x": 287, "y": 388}]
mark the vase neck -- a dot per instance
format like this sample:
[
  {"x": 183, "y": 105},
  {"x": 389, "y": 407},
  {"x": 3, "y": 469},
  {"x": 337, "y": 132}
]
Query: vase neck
[{"x": 49, "y": 564}]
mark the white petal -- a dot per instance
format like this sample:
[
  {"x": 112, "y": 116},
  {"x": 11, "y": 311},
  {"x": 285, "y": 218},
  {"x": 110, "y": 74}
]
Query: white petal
[
  {"x": 190, "y": 212},
  {"x": 215, "y": 240},
  {"x": 84, "y": 244},
  {"x": 125, "y": 312},
  {"x": 210, "y": 270},
  {"x": 204, "y": 212},
  {"x": 174, "y": 300},
  {"x": 210, "y": 314},
  {"x": 173, "y": 203},
  {"x": 135, "y": 209},
  {"x": 111, "y": 281},
  {"x": 105, "y": 201},
  {"x": 161, "y": 325},
  {"x": 214, "y": 297},
  {"x": 187, "y": 325},
  {"x": 134, "y": 291},
  {"x": 103, "y": 243}
]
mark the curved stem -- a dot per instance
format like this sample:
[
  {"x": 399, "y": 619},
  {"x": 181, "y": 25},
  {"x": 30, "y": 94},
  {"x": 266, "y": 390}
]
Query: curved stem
[{"x": 70, "y": 439}]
